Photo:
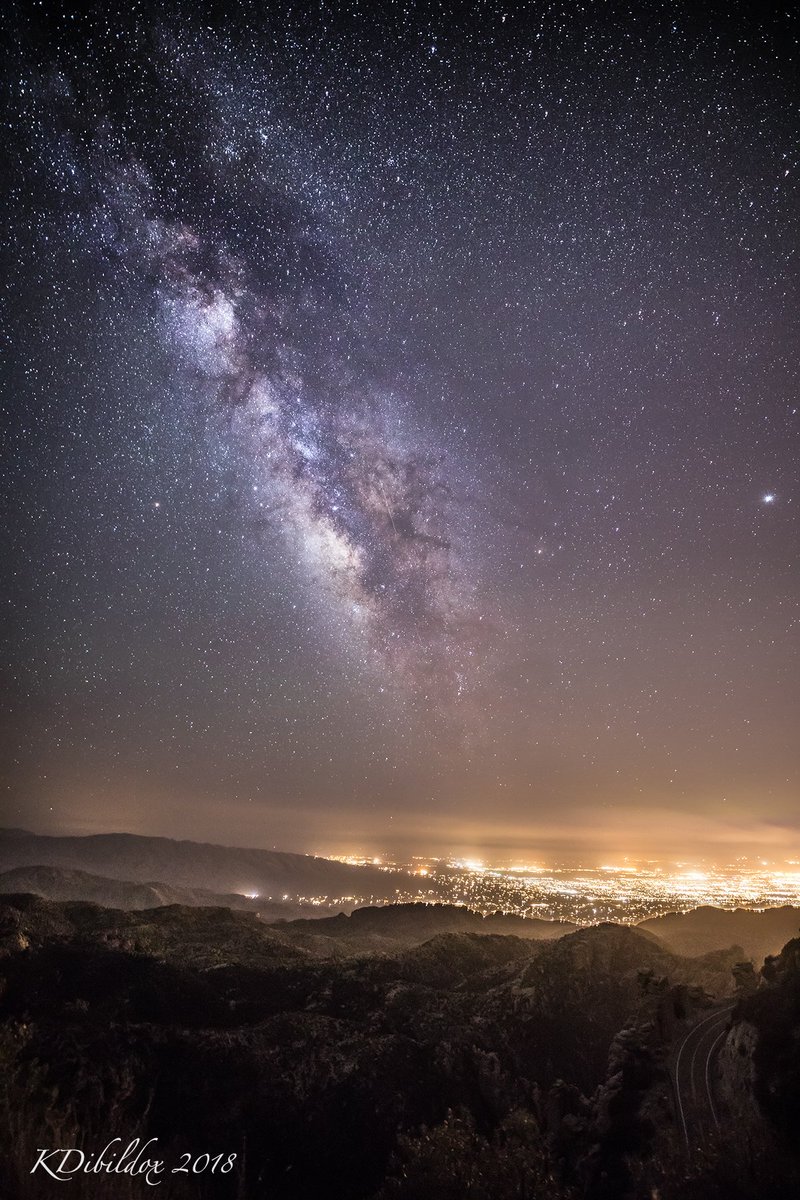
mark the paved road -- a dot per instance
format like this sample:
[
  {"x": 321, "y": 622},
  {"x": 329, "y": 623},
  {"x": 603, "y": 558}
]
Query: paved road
[{"x": 693, "y": 1076}]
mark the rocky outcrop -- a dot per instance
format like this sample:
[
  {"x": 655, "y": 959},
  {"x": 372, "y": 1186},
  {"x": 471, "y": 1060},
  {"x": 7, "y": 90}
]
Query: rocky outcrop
[{"x": 737, "y": 1074}]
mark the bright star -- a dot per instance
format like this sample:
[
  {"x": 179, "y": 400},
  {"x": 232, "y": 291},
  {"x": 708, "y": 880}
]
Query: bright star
[{"x": 769, "y": 498}]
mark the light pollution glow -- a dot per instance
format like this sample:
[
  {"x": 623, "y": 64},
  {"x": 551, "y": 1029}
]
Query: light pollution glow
[{"x": 628, "y": 893}]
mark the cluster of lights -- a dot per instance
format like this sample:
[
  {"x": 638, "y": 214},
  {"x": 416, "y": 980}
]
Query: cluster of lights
[{"x": 624, "y": 893}]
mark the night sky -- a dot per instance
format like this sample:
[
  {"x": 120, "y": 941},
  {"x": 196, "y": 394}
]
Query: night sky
[{"x": 401, "y": 427}]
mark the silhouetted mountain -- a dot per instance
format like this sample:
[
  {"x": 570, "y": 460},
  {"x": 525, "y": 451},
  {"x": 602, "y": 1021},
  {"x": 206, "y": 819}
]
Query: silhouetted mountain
[
  {"x": 201, "y": 866},
  {"x": 707, "y": 928},
  {"x": 390, "y": 927},
  {"x": 484, "y": 1056},
  {"x": 60, "y": 883}
]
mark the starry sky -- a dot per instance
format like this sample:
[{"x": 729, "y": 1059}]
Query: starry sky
[{"x": 400, "y": 416}]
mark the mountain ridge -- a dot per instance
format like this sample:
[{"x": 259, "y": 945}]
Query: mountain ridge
[{"x": 206, "y": 866}]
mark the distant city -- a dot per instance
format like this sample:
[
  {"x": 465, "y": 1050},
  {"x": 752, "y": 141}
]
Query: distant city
[{"x": 626, "y": 894}]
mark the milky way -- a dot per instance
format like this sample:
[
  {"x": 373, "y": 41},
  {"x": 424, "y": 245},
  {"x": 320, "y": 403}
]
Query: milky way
[
  {"x": 252, "y": 298},
  {"x": 402, "y": 429}
]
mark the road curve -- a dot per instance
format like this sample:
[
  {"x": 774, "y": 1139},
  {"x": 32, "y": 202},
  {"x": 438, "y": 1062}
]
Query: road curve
[{"x": 693, "y": 1076}]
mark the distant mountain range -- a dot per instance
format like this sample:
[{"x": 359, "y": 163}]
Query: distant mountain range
[
  {"x": 202, "y": 867},
  {"x": 129, "y": 872},
  {"x": 64, "y": 884},
  {"x": 707, "y": 928}
]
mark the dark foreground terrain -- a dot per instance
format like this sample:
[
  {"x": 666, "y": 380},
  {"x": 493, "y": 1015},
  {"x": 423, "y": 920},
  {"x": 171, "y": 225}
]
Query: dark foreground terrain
[{"x": 413, "y": 1054}]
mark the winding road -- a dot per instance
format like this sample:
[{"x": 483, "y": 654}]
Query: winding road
[{"x": 693, "y": 1076}]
